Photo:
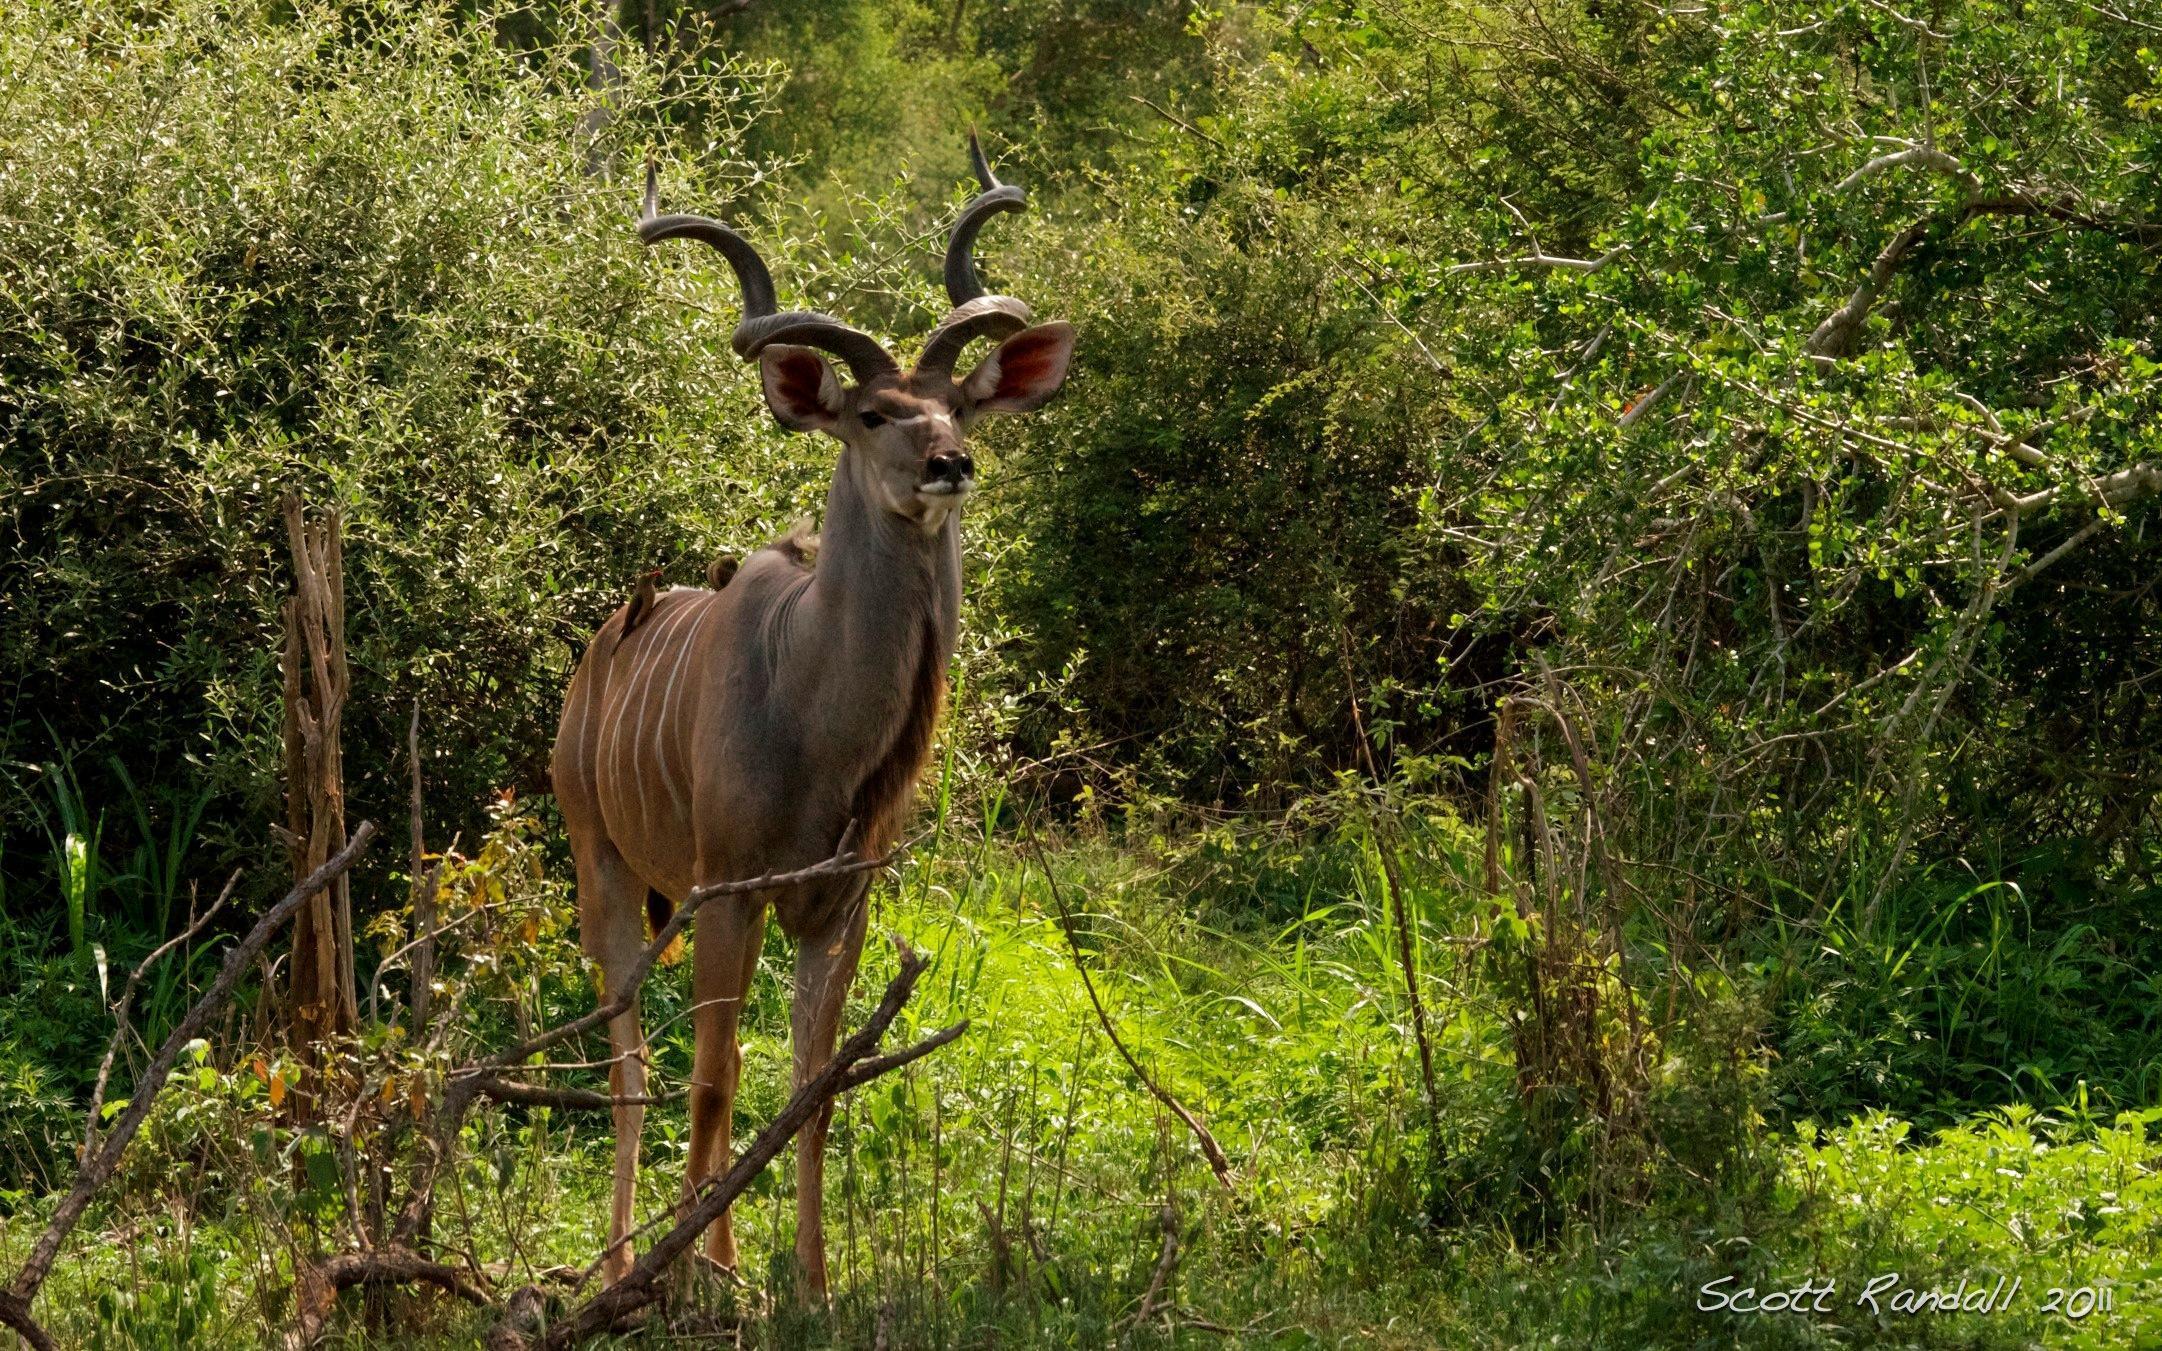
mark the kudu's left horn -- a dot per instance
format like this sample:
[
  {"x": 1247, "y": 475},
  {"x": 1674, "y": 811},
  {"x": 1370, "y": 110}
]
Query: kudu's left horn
[
  {"x": 764, "y": 322},
  {"x": 974, "y": 314}
]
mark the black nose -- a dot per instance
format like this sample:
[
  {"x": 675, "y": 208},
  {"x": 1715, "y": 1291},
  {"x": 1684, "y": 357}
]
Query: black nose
[{"x": 949, "y": 468}]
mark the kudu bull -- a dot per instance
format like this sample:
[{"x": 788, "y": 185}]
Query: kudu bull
[{"x": 738, "y": 732}]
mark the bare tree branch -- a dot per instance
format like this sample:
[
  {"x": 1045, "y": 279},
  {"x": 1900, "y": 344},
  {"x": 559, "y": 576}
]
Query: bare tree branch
[
  {"x": 1540, "y": 259},
  {"x": 1923, "y": 156},
  {"x": 540, "y": 1095}
]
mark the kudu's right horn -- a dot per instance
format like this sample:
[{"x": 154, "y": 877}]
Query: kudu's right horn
[
  {"x": 974, "y": 314},
  {"x": 764, "y": 322}
]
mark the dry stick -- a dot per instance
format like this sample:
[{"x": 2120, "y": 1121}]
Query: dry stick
[
  {"x": 1218, "y": 1164},
  {"x": 1175, "y": 120},
  {"x": 14, "y": 1307},
  {"x": 1169, "y": 1218},
  {"x": 423, "y": 970},
  {"x": 851, "y": 1065},
  {"x": 120, "y": 1014},
  {"x": 1391, "y": 875},
  {"x": 843, "y": 863}
]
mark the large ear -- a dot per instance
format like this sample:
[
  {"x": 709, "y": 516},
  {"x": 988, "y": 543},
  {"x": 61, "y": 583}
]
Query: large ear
[
  {"x": 801, "y": 389},
  {"x": 1025, "y": 371}
]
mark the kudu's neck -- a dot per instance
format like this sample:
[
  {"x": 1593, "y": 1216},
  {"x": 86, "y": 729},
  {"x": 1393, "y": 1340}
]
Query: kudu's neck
[{"x": 884, "y": 599}]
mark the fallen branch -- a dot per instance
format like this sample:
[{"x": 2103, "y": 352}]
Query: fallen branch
[
  {"x": 316, "y": 1293},
  {"x": 853, "y": 1064},
  {"x": 1214, "y": 1152},
  {"x": 98, "y": 1167}
]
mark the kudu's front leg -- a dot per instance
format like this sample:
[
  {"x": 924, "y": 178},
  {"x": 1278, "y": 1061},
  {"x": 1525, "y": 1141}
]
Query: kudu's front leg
[{"x": 825, "y": 969}]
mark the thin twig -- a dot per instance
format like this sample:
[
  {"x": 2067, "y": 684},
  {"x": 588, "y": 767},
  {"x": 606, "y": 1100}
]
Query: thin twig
[
  {"x": 1175, "y": 120},
  {"x": 127, "y": 998},
  {"x": 1406, "y": 943},
  {"x": 1218, "y": 1164}
]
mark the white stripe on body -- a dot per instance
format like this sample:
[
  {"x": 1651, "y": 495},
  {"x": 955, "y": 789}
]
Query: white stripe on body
[
  {"x": 656, "y": 648},
  {"x": 704, "y": 604},
  {"x": 587, "y": 751},
  {"x": 614, "y": 759}
]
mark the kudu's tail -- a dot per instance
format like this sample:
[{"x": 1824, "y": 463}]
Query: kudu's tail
[{"x": 659, "y": 910}]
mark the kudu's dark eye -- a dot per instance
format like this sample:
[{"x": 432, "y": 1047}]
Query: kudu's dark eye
[{"x": 871, "y": 420}]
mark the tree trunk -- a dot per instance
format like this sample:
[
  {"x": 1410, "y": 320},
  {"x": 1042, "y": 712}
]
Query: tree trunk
[{"x": 319, "y": 981}]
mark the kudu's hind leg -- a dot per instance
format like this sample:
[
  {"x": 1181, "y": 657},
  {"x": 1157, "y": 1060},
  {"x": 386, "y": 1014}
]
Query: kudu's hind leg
[
  {"x": 825, "y": 969},
  {"x": 611, "y": 927},
  {"x": 730, "y": 932}
]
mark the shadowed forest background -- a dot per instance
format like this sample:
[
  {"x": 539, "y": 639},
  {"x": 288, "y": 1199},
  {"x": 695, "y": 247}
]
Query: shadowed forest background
[{"x": 1641, "y": 519}]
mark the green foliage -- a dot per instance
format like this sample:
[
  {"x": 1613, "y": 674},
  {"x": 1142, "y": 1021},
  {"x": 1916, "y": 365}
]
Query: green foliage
[{"x": 1960, "y": 996}]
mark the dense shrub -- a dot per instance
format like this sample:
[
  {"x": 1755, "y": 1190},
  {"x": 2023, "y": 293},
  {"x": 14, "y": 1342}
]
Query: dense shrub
[{"x": 353, "y": 251}]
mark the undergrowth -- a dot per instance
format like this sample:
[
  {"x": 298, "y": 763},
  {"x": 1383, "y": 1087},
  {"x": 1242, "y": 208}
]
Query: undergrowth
[{"x": 1013, "y": 1189}]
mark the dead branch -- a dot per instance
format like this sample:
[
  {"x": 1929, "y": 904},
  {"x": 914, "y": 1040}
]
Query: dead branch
[
  {"x": 1540, "y": 258},
  {"x": 851, "y": 1065},
  {"x": 1169, "y": 1219},
  {"x": 539, "y": 1095},
  {"x": 470, "y": 1082},
  {"x": 99, "y": 1167},
  {"x": 317, "y": 680},
  {"x": 316, "y": 1293},
  {"x": 1210, "y": 1150},
  {"x": 843, "y": 863},
  {"x": 121, "y": 1027},
  {"x": 423, "y": 970},
  {"x": 1175, "y": 120}
]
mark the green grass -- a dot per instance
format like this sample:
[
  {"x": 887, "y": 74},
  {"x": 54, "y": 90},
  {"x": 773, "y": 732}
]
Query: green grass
[{"x": 1009, "y": 1190}]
